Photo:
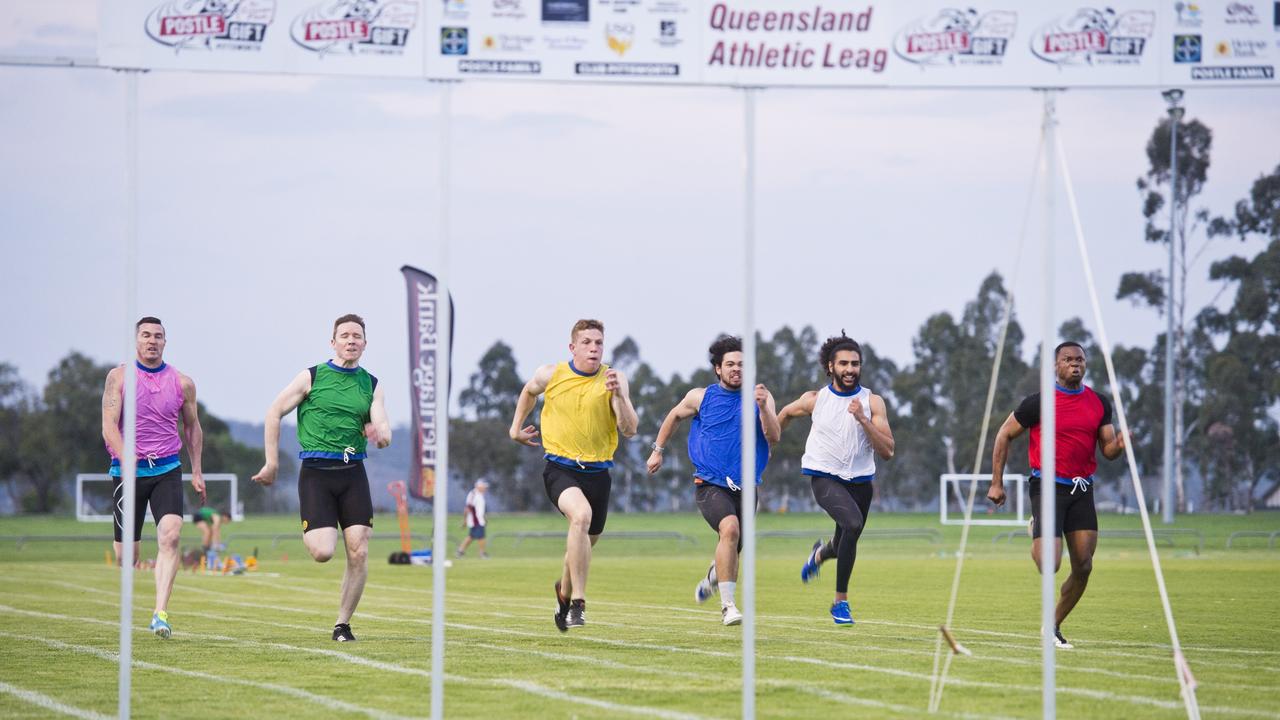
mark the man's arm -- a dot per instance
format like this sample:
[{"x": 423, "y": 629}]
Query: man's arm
[
  {"x": 877, "y": 428},
  {"x": 616, "y": 382},
  {"x": 288, "y": 399},
  {"x": 685, "y": 409},
  {"x": 768, "y": 415},
  {"x": 537, "y": 385},
  {"x": 1010, "y": 430},
  {"x": 111, "y": 408},
  {"x": 800, "y": 407},
  {"x": 1110, "y": 442},
  {"x": 193, "y": 434},
  {"x": 380, "y": 425}
]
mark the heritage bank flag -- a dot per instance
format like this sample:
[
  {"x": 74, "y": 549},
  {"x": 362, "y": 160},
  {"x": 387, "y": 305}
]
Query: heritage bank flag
[{"x": 429, "y": 411}]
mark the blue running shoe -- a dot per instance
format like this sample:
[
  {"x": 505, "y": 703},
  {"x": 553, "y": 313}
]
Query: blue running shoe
[
  {"x": 840, "y": 613},
  {"x": 160, "y": 625},
  {"x": 809, "y": 570}
]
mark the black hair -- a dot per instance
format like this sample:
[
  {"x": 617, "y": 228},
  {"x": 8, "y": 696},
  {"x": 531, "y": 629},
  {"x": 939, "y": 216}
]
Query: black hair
[
  {"x": 723, "y": 344},
  {"x": 834, "y": 345},
  {"x": 148, "y": 320},
  {"x": 1067, "y": 344}
]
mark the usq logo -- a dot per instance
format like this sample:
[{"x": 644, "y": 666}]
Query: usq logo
[
  {"x": 356, "y": 27},
  {"x": 211, "y": 24},
  {"x": 620, "y": 36},
  {"x": 1094, "y": 36},
  {"x": 957, "y": 36}
]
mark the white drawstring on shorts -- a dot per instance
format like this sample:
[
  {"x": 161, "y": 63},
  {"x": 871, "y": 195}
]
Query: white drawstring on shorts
[
  {"x": 151, "y": 459},
  {"x": 732, "y": 485},
  {"x": 347, "y": 453},
  {"x": 1079, "y": 483}
]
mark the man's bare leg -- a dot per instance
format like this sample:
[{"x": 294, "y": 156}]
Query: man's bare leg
[
  {"x": 1081, "y": 545},
  {"x": 356, "y": 538},
  {"x": 577, "y": 556},
  {"x": 168, "y": 531},
  {"x": 321, "y": 543},
  {"x": 727, "y": 550}
]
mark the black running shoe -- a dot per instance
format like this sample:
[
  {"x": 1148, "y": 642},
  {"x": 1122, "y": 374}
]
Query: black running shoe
[
  {"x": 1061, "y": 642},
  {"x": 342, "y": 633},
  {"x": 562, "y": 610},
  {"x": 577, "y": 614}
]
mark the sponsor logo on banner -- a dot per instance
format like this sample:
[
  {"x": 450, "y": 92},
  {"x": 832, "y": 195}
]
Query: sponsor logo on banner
[
  {"x": 667, "y": 34},
  {"x": 1235, "y": 72},
  {"x": 356, "y": 27},
  {"x": 957, "y": 37},
  {"x": 1275, "y": 16},
  {"x": 509, "y": 9},
  {"x": 564, "y": 42},
  {"x": 500, "y": 67},
  {"x": 668, "y": 7},
  {"x": 1094, "y": 36},
  {"x": 1187, "y": 48},
  {"x": 621, "y": 69},
  {"x": 456, "y": 9},
  {"x": 211, "y": 24},
  {"x": 1235, "y": 48},
  {"x": 1188, "y": 14},
  {"x": 620, "y": 36},
  {"x": 508, "y": 43},
  {"x": 453, "y": 41},
  {"x": 567, "y": 11},
  {"x": 1239, "y": 13}
]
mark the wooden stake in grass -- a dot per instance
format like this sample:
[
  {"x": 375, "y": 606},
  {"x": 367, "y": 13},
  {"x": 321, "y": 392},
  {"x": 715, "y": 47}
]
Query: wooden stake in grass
[{"x": 956, "y": 647}]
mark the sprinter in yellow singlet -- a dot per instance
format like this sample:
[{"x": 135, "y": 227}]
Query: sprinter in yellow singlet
[{"x": 587, "y": 405}]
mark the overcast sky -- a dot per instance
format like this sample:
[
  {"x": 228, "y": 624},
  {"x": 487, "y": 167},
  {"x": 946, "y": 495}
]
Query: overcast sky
[{"x": 270, "y": 205}]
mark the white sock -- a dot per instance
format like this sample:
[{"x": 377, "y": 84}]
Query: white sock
[{"x": 726, "y": 593}]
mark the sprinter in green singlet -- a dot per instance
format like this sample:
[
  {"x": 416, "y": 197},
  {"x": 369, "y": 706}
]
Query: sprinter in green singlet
[{"x": 340, "y": 409}]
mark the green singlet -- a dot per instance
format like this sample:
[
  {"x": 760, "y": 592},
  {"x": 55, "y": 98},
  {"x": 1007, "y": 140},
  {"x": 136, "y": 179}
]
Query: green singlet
[{"x": 331, "y": 419}]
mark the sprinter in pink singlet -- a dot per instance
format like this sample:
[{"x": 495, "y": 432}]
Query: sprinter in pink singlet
[{"x": 164, "y": 396}]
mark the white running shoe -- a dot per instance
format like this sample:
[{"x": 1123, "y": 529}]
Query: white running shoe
[
  {"x": 1060, "y": 642},
  {"x": 730, "y": 615}
]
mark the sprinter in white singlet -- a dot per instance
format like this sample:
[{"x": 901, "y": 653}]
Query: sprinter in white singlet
[{"x": 850, "y": 428}]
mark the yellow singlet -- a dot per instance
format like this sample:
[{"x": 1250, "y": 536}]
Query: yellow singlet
[{"x": 578, "y": 422}]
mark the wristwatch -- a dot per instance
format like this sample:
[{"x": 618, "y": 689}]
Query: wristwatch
[{"x": 656, "y": 447}]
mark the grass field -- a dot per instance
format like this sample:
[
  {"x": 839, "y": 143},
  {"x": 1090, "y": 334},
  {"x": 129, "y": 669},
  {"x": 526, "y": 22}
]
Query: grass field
[{"x": 258, "y": 645}]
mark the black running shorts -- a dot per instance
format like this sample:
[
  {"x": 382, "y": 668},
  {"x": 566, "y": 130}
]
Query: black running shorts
[
  {"x": 164, "y": 492},
  {"x": 1073, "y": 511},
  {"x": 334, "y": 496},
  {"x": 594, "y": 485},
  {"x": 717, "y": 503}
]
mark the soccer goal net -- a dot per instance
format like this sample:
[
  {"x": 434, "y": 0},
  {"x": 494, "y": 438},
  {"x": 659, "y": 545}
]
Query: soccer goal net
[
  {"x": 953, "y": 495},
  {"x": 94, "y": 497}
]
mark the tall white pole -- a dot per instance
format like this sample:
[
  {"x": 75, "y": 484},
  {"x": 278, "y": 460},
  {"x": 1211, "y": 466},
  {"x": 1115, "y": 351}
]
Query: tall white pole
[
  {"x": 128, "y": 460},
  {"x": 1048, "y": 482},
  {"x": 1170, "y": 342},
  {"x": 747, "y": 576},
  {"x": 439, "y": 539}
]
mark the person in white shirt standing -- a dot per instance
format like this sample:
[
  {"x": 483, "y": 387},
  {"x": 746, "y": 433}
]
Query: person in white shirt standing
[
  {"x": 850, "y": 428},
  {"x": 475, "y": 519}
]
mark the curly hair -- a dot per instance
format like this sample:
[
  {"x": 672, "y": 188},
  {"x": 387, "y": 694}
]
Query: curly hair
[
  {"x": 834, "y": 345},
  {"x": 723, "y": 344}
]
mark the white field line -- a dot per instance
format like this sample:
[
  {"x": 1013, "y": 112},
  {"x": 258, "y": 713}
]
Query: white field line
[
  {"x": 523, "y": 686},
  {"x": 840, "y": 697},
  {"x": 47, "y": 703},
  {"x": 804, "y": 623},
  {"x": 109, "y": 656}
]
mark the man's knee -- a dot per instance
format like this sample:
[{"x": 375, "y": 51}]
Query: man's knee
[
  {"x": 729, "y": 530},
  {"x": 1082, "y": 568},
  {"x": 320, "y": 554},
  {"x": 168, "y": 536},
  {"x": 580, "y": 519},
  {"x": 851, "y": 526}
]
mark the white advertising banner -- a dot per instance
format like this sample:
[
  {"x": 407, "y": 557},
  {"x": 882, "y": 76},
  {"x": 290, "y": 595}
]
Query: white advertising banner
[{"x": 841, "y": 43}]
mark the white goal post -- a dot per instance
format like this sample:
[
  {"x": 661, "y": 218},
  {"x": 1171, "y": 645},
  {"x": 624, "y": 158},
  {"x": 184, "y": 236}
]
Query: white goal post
[
  {"x": 86, "y": 511},
  {"x": 955, "y": 487}
]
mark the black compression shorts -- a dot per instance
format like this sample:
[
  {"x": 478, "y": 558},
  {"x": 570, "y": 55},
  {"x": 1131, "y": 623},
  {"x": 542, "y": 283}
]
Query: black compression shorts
[
  {"x": 595, "y": 486},
  {"x": 1072, "y": 511},
  {"x": 334, "y": 496},
  {"x": 164, "y": 492}
]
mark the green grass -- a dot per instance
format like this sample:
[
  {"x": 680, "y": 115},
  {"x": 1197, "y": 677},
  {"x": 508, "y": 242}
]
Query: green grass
[{"x": 647, "y": 649}]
